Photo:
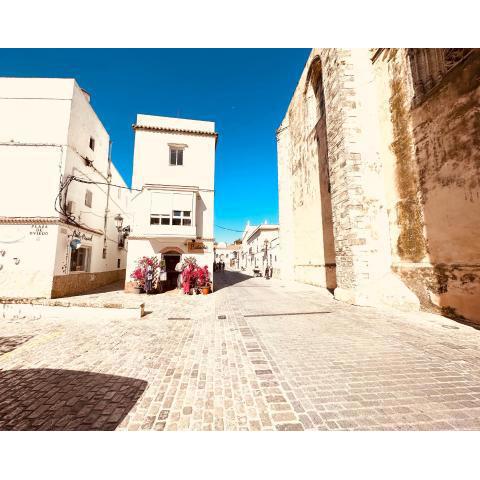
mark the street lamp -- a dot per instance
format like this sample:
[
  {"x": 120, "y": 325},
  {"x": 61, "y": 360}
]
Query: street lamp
[{"x": 118, "y": 222}]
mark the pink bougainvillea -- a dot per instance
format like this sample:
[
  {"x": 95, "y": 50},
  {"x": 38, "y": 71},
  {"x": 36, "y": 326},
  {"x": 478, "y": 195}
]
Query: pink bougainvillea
[
  {"x": 194, "y": 277},
  {"x": 140, "y": 271}
]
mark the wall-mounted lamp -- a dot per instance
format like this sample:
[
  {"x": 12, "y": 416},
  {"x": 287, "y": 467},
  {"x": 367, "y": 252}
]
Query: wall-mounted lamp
[{"x": 118, "y": 222}]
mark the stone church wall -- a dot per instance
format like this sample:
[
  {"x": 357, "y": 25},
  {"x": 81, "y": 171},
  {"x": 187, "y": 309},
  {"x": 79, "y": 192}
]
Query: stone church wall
[{"x": 379, "y": 196}]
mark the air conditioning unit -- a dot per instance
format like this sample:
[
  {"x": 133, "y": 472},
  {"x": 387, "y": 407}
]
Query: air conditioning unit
[{"x": 71, "y": 207}]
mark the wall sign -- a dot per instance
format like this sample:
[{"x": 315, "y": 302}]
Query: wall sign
[
  {"x": 39, "y": 230},
  {"x": 82, "y": 236},
  {"x": 196, "y": 247}
]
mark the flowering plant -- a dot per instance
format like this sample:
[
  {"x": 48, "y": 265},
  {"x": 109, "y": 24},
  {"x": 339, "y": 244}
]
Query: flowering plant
[
  {"x": 202, "y": 276},
  {"x": 194, "y": 277},
  {"x": 140, "y": 271}
]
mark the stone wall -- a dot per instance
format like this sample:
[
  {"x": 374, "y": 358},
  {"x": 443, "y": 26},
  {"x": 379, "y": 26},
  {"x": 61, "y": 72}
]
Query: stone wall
[
  {"x": 339, "y": 224},
  {"x": 432, "y": 156},
  {"x": 396, "y": 178},
  {"x": 78, "y": 283}
]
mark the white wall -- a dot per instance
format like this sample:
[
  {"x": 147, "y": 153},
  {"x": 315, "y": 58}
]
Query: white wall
[
  {"x": 255, "y": 241},
  {"x": 152, "y": 166},
  {"x": 34, "y": 246},
  {"x": 45, "y": 130},
  {"x": 152, "y": 159},
  {"x": 34, "y": 115}
]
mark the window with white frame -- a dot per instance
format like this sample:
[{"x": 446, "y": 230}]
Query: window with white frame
[
  {"x": 160, "y": 219},
  {"x": 181, "y": 217},
  {"x": 176, "y": 156},
  {"x": 173, "y": 208}
]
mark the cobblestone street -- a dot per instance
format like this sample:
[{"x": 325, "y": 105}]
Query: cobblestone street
[{"x": 255, "y": 355}]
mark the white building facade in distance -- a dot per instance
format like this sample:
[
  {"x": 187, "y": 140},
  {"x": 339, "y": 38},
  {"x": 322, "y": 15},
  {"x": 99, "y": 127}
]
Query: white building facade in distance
[
  {"x": 228, "y": 254},
  {"x": 58, "y": 205},
  {"x": 173, "y": 201},
  {"x": 260, "y": 247}
]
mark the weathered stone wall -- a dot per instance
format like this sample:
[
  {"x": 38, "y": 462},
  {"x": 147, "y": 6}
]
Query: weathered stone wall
[
  {"x": 285, "y": 204},
  {"x": 431, "y": 159},
  {"x": 306, "y": 236},
  {"x": 335, "y": 180},
  {"x": 78, "y": 283}
]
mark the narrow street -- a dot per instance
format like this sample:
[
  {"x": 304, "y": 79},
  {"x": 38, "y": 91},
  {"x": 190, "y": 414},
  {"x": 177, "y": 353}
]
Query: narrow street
[{"x": 255, "y": 355}]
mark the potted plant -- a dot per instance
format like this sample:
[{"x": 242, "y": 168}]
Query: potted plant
[
  {"x": 138, "y": 276},
  {"x": 203, "y": 279}
]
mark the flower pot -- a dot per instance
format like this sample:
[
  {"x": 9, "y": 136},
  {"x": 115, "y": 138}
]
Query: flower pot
[
  {"x": 205, "y": 290},
  {"x": 137, "y": 290}
]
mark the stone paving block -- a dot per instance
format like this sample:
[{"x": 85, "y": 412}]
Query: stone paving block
[{"x": 357, "y": 369}]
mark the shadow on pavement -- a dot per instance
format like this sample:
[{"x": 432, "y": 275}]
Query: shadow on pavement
[
  {"x": 228, "y": 278},
  {"x": 47, "y": 399},
  {"x": 8, "y": 344}
]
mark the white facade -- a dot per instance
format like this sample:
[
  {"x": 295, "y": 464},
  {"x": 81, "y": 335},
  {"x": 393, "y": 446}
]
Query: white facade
[
  {"x": 260, "y": 247},
  {"x": 48, "y": 133},
  {"x": 173, "y": 179},
  {"x": 228, "y": 253}
]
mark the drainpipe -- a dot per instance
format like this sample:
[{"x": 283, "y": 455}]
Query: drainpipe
[{"x": 109, "y": 181}]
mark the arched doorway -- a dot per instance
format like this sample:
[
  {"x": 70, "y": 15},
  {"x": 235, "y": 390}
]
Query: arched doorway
[
  {"x": 171, "y": 258},
  {"x": 315, "y": 97}
]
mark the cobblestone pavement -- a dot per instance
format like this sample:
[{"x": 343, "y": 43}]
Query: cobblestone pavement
[{"x": 255, "y": 355}]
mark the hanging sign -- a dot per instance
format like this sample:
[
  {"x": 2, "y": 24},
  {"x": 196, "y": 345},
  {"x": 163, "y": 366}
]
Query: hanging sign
[{"x": 82, "y": 236}]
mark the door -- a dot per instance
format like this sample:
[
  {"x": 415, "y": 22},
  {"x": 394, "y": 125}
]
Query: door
[{"x": 171, "y": 260}]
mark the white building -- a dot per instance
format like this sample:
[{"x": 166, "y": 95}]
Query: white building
[
  {"x": 227, "y": 253},
  {"x": 174, "y": 168},
  {"x": 260, "y": 247},
  {"x": 49, "y": 133}
]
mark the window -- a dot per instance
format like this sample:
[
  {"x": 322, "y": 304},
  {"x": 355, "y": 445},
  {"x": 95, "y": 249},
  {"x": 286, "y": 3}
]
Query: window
[
  {"x": 181, "y": 217},
  {"x": 88, "y": 199},
  {"x": 176, "y": 156},
  {"x": 430, "y": 65},
  {"x": 159, "y": 219},
  {"x": 92, "y": 143},
  {"x": 118, "y": 263},
  {"x": 80, "y": 259},
  {"x": 104, "y": 253}
]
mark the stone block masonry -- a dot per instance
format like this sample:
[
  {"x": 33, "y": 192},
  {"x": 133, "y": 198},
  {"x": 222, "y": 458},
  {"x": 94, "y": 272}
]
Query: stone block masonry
[
  {"x": 376, "y": 195},
  {"x": 77, "y": 283}
]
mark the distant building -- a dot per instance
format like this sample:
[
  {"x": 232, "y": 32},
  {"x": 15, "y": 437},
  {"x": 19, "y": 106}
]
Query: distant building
[
  {"x": 174, "y": 167},
  {"x": 228, "y": 253},
  {"x": 260, "y": 247},
  {"x": 58, "y": 235}
]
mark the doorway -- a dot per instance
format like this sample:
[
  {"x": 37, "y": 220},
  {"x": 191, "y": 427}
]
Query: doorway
[{"x": 171, "y": 260}]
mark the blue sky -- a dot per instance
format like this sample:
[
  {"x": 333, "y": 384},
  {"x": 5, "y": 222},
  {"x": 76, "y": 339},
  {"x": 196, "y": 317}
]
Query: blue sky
[{"x": 244, "y": 91}]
